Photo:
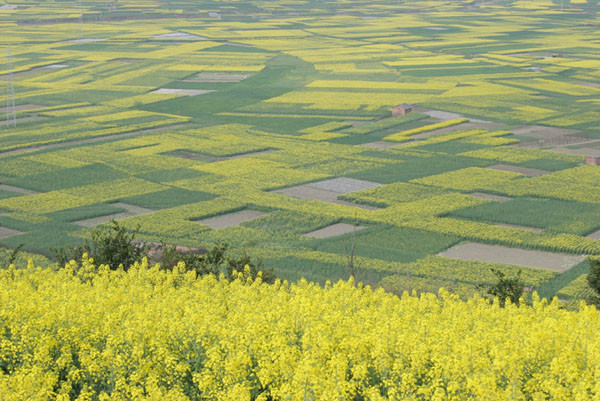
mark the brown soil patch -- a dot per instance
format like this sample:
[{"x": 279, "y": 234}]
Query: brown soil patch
[
  {"x": 513, "y": 256},
  {"x": 334, "y": 230},
  {"x": 442, "y": 115},
  {"x": 310, "y": 193},
  {"x": 496, "y": 198},
  {"x": 23, "y": 107},
  {"x": 530, "y": 172},
  {"x": 7, "y": 232},
  {"x": 231, "y": 219},
  {"x": 594, "y": 235},
  {"x": 343, "y": 185}
]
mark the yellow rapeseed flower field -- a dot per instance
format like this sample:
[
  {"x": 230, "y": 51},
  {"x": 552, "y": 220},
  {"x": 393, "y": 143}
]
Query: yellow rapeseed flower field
[{"x": 88, "y": 333}]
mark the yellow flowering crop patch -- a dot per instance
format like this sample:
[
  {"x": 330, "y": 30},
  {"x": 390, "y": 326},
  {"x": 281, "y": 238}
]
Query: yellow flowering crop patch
[
  {"x": 402, "y": 135},
  {"x": 469, "y": 179},
  {"x": 168, "y": 334},
  {"x": 322, "y": 136},
  {"x": 46, "y": 202}
]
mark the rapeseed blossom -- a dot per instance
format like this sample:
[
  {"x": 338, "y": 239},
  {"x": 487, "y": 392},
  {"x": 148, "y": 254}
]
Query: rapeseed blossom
[{"x": 89, "y": 333}]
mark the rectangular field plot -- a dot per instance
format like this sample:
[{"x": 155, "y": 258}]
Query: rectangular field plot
[
  {"x": 309, "y": 192},
  {"x": 536, "y": 214},
  {"x": 343, "y": 185},
  {"x": 513, "y": 256},
  {"x": 130, "y": 210},
  {"x": 231, "y": 219},
  {"x": 334, "y": 230},
  {"x": 530, "y": 172}
]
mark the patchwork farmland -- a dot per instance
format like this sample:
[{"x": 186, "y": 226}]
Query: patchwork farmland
[{"x": 269, "y": 125}]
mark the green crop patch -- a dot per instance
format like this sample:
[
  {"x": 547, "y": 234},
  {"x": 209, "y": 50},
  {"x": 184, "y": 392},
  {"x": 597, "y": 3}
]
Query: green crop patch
[
  {"x": 85, "y": 212},
  {"x": 95, "y": 173},
  {"x": 168, "y": 198},
  {"x": 390, "y": 244},
  {"x": 555, "y": 215}
]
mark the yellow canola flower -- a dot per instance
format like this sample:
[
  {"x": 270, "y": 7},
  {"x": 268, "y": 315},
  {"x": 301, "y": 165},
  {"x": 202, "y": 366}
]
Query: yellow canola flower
[
  {"x": 87, "y": 333},
  {"x": 401, "y": 136}
]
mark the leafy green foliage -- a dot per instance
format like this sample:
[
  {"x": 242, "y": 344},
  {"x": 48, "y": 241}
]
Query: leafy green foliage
[
  {"x": 110, "y": 245},
  {"x": 507, "y": 288},
  {"x": 593, "y": 279},
  {"x": 557, "y": 215},
  {"x": 214, "y": 261}
]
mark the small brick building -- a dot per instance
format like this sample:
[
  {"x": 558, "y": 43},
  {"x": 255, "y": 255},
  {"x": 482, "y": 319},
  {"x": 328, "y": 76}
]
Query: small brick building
[
  {"x": 592, "y": 160},
  {"x": 401, "y": 110}
]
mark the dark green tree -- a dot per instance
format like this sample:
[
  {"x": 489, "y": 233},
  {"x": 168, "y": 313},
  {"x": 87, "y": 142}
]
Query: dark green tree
[
  {"x": 112, "y": 245},
  {"x": 593, "y": 279},
  {"x": 201, "y": 261},
  {"x": 507, "y": 288}
]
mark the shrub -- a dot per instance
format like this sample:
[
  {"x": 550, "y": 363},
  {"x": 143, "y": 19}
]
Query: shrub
[{"x": 110, "y": 245}]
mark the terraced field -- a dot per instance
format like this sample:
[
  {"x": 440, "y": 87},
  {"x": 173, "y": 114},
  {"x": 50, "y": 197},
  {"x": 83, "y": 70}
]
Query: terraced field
[{"x": 269, "y": 125}]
